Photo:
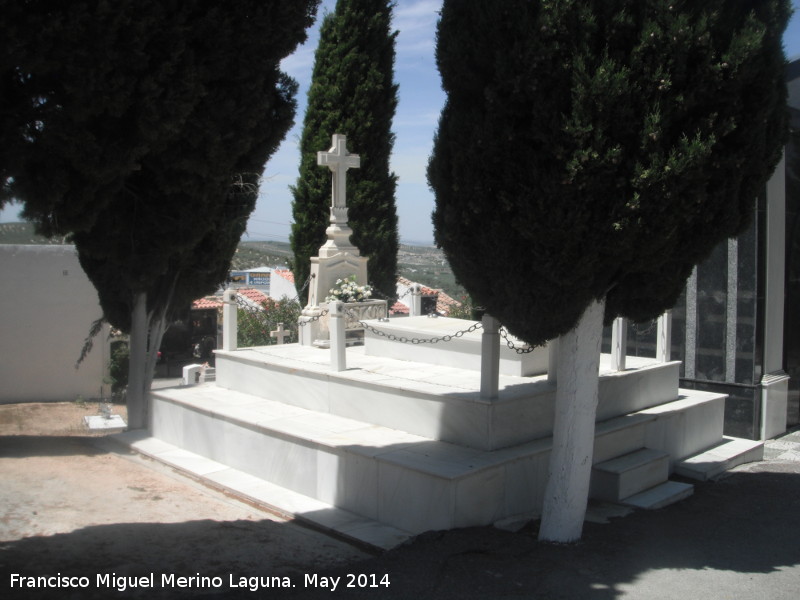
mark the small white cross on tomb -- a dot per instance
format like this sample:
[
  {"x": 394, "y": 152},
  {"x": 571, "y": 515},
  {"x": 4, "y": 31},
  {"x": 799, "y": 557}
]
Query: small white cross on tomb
[
  {"x": 338, "y": 160},
  {"x": 280, "y": 333}
]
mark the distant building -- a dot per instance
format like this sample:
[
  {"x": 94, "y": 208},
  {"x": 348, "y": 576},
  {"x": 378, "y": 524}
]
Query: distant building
[
  {"x": 433, "y": 300},
  {"x": 259, "y": 277}
]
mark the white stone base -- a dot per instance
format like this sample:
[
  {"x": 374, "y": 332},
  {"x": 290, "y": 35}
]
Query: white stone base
[
  {"x": 774, "y": 404},
  {"x": 436, "y": 402},
  {"x": 401, "y": 480},
  {"x": 395, "y": 447}
]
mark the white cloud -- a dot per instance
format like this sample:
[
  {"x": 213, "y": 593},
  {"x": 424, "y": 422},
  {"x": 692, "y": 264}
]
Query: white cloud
[{"x": 416, "y": 24}]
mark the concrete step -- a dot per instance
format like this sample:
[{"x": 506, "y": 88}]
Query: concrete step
[
  {"x": 629, "y": 474},
  {"x": 267, "y": 496},
  {"x": 730, "y": 453},
  {"x": 660, "y": 496}
]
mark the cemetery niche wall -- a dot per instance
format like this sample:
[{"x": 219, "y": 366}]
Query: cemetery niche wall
[
  {"x": 792, "y": 314},
  {"x": 736, "y": 327}
]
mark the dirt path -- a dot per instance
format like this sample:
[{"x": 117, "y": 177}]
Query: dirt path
[{"x": 70, "y": 506}]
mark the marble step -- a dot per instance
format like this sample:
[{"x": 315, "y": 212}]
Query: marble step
[
  {"x": 412, "y": 483},
  {"x": 629, "y": 474},
  {"x": 729, "y": 453},
  {"x": 660, "y": 496},
  {"x": 399, "y": 479},
  {"x": 267, "y": 496},
  {"x": 440, "y": 402}
]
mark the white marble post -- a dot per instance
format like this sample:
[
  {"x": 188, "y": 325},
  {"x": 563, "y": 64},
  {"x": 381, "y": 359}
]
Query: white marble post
[
  {"x": 337, "y": 333},
  {"x": 229, "y": 319},
  {"x": 619, "y": 343},
  {"x": 416, "y": 300},
  {"x": 552, "y": 360},
  {"x": 490, "y": 358},
  {"x": 664, "y": 337}
]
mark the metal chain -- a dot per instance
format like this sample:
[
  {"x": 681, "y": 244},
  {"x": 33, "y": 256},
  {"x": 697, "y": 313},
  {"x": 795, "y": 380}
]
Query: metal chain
[
  {"x": 645, "y": 331},
  {"x": 527, "y": 349},
  {"x": 404, "y": 340}
]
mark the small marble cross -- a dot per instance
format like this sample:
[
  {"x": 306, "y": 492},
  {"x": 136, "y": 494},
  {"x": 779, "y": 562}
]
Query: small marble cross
[
  {"x": 338, "y": 160},
  {"x": 280, "y": 333}
]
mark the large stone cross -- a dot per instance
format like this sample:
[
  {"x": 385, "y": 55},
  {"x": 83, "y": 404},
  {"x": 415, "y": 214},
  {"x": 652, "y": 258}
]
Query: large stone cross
[{"x": 338, "y": 160}]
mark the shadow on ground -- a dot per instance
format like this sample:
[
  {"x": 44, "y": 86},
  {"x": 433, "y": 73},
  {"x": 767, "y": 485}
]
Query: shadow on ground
[
  {"x": 22, "y": 446},
  {"x": 735, "y": 538}
]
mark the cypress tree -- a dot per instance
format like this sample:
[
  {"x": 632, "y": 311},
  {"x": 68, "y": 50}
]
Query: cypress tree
[
  {"x": 352, "y": 92},
  {"x": 590, "y": 153},
  {"x": 600, "y": 148},
  {"x": 85, "y": 89},
  {"x": 167, "y": 233}
]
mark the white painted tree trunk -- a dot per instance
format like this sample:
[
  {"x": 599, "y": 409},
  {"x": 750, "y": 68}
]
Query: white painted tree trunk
[
  {"x": 156, "y": 328},
  {"x": 136, "y": 394},
  {"x": 567, "y": 491}
]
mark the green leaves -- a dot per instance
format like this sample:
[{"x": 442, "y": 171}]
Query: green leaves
[{"x": 611, "y": 135}]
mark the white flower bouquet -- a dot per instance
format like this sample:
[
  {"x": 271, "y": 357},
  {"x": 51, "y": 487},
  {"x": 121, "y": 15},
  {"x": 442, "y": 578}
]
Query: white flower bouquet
[{"x": 347, "y": 290}]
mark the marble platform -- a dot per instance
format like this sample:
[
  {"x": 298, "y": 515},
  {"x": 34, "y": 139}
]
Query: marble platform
[
  {"x": 434, "y": 401},
  {"x": 369, "y": 452},
  {"x": 463, "y": 351},
  {"x": 390, "y": 477}
]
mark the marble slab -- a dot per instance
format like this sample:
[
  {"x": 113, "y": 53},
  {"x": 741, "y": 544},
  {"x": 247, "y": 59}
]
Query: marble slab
[{"x": 101, "y": 423}]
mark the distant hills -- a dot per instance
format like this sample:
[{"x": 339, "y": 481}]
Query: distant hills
[{"x": 423, "y": 264}]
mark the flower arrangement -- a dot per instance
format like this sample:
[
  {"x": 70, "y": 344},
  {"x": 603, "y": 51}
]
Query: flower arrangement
[{"x": 347, "y": 290}]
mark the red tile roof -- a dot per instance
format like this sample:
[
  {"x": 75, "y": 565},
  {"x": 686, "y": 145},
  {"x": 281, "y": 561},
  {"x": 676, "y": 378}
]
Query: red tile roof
[
  {"x": 206, "y": 303},
  {"x": 443, "y": 302},
  {"x": 398, "y": 308},
  {"x": 286, "y": 274},
  {"x": 256, "y": 296}
]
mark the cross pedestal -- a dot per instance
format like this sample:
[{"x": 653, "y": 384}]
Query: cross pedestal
[{"x": 338, "y": 258}]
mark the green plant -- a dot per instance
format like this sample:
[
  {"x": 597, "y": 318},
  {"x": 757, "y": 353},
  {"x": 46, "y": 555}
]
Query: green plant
[
  {"x": 464, "y": 310},
  {"x": 118, "y": 366},
  {"x": 255, "y": 325}
]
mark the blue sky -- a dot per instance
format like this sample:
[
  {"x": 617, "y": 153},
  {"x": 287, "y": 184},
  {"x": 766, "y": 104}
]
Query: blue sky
[{"x": 421, "y": 100}]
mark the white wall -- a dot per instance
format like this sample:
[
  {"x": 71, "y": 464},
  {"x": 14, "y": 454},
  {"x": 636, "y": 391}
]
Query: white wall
[
  {"x": 47, "y": 306},
  {"x": 280, "y": 287}
]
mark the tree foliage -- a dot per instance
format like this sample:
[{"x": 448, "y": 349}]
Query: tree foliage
[
  {"x": 352, "y": 92},
  {"x": 86, "y": 89},
  {"x": 206, "y": 105},
  {"x": 152, "y": 123},
  {"x": 600, "y": 148}
]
